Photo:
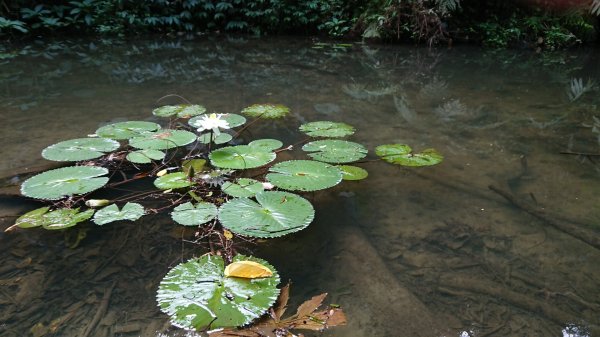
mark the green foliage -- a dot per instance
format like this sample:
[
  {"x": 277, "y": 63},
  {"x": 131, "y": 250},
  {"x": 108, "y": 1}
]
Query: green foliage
[
  {"x": 335, "y": 151},
  {"x": 80, "y": 149},
  {"x": 66, "y": 181},
  {"x": 189, "y": 214},
  {"x": 131, "y": 211},
  {"x": 304, "y": 175}
]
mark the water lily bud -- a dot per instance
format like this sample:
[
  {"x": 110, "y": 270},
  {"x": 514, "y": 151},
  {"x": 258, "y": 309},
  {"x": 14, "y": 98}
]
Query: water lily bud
[
  {"x": 97, "y": 202},
  {"x": 161, "y": 173}
]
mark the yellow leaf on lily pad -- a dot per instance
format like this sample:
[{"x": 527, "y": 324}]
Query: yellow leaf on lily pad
[{"x": 247, "y": 269}]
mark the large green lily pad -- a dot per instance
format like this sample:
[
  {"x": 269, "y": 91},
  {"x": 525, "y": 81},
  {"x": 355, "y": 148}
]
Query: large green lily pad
[
  {"x": 180, "y": 111},
  {"x": 273, "y": 214},
  {"x": 240, "y": 157},
  {"x": 80, "y": 149},
  {"x": 163, "y": 139},
  {"x": 304, "y": 175},
  {"x": 242, "y": 188},
  {"x": 197, "y": 296},
  {"x": 266, "y": 110},
  {"x": 131, "y": 211},
  {"x": 172, "y": 181},
  {"x": 335, "y": 151},
  {"x": 126, "y": 130},
  {"x": 66, "y": 181},
  {"x": 401, "y": 154},
  {"x": 65, "y": 217},
  {"x": 327, "y": 129},
  {"x": 189, "y": 214},
  {"x": 145, "y": 156}
]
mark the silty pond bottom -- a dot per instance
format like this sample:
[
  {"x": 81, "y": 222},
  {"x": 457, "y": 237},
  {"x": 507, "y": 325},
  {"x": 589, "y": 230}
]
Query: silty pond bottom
[{"x": 498, "y": 240}]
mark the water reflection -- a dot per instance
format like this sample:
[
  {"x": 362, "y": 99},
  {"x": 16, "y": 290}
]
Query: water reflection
[{"x": 466, "y": 259}]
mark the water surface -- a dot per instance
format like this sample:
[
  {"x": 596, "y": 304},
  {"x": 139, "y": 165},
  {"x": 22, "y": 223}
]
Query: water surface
[{"x": 408, "y": 252}]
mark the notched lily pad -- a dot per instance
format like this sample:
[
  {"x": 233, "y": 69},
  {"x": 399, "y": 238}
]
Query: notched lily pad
[
  {"x": 350, "y": 172},
  {"x": 131, "y": 211},
  {"x": 126, "y": 130},
  {"x": 179, "y": 111},
  {"x": 273, "y": 214},
  {"x": 172, "y": 181},
  {"x": 145, "y": 156},
  {"x": 197, "y": 295},
  {"x": 335, "y": 151},
  {"x": 80, "y": 149},
  {"x": 33, "y": 218},
  {"x": 66, "y": 181},
  {"x": 304, "y": 175},
  {"x": 221, "y": 138},
  {"x": 266, "y": 110},
  {"x": 65, "y": 217},
  {"x": 189, "y": 214},
  {"x": 242, "y": 188},
  {"x": 240, "y": 157},
  {"x": 327, "y": 129},
  {"x": 163, "y": 140},
  {"x": 402, "y": 154},
  {"x": 266, "y": 144}
]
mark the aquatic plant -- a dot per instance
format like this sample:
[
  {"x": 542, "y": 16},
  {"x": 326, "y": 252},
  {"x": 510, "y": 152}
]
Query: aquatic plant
[{"x": 224, "y": 190}]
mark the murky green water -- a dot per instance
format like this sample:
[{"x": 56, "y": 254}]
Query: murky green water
[{"x": 425, "y": 252}]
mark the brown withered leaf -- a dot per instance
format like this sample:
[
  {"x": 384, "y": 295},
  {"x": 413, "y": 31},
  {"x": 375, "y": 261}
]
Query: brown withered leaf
[{"x": 307, "y": 317}]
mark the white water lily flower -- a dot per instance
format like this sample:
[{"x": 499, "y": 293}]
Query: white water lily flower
[{"x": 212, "y": 122}]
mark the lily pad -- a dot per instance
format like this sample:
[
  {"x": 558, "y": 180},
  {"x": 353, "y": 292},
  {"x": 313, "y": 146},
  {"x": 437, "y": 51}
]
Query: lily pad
[
  {"x": 163, "y": 139},
  {"x": 353, "y": 172},
  {"x": 242, "y": 188},
  {"x": 198, "y": 296},
  {"x": 221, "y": 138},
  {"x": 327, "y": 129},
  {"x": 193, "y": 165},
  {"x": 126, "y": 130},
  {"x": 65, "y": 218},
  {"x": 335, "y": 151},
  {"x": 172, "y": 181},
  {"x": 275, "y": 213},
  {"x": 180, "y": 111},
  {"x": 266, "y": 144},
  {"x": 145, "y": 156},
  {"x": 131, "y": 211},
  {"x": 266, "y": 110},
  {"x": 33, "y": 218},
  {"x": 193, "y": 215},
  {"x": 80, "y": 149},
  {"x": 234, "y": 120},
  {"x": 66, "y": 181},
  {"x": 304, "y": 175},
  {"x": 401, "y": 154},
  {"x": 240, "y": 157}
]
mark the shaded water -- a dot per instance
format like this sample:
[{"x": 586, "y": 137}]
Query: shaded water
[{"x": 408, "y": 252}]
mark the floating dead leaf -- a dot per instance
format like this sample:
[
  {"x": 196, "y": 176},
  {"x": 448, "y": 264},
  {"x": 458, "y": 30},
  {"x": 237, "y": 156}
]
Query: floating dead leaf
[
  {"x": 247, "y": 269},
  {"x": 307, "y": 317},
  {"x": 227, "y": 234}
]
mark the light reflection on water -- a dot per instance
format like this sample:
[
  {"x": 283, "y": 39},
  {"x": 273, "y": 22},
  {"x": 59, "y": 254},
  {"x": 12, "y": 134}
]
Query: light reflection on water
[{"x": 469, "y": 262}]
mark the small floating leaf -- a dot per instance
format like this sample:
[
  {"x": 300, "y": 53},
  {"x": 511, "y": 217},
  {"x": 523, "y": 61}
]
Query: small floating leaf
[
  {"x": 275, "y": 213},
  {"x": 180, "y": 111},
  {"x": 221, "y": 138},
  {"x": 401, "y": 154},
  {"x": 353, "y": 172},
  {"x": 327, "y": 129},
  {"x": 266, "y": 144},
  {"x": 33, "y": 218},
  {"x": 335, "y": 151},
  {"x": 266, "y": 110},
  {"x": 193, "y": 215},
  {"x": 145, "y": 156},
  {"x": 66, "y": 181},
  {"x": 126, "y": 130},
  {"x": 240, "y": 157},
  {"x": 80, "y": 149},
  {"x": 247, "y": 269},
  {"x": 304, "y": 175},
  {"x": 194, "y": 165},
  {"x": 197, "y": 295},
  {"x": 65, "y": 218},
  {"x": 242, "y": 188},
  {"x": 163, "y": 139},
  {"x": 131, "y": 211},
  {"x": 172, "y": 181},
  {"x": 234, "y": 120}
]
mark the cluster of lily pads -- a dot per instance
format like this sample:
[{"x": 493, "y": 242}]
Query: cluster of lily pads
[{"x": 235, "y": 190}]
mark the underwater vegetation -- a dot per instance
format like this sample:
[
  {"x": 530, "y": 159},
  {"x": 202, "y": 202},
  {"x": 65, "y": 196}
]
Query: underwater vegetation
[{"x": 230, "y": 190}]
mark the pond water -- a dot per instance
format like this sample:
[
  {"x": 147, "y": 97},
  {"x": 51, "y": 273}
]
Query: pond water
[{"x": 408, "y": 252}]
